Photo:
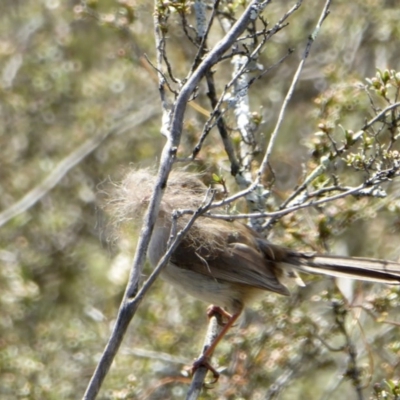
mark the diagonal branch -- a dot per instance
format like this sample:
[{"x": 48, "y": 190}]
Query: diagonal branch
[
  {"x": 128, "y": 306},
  {"x": 274, "y": 134},
  {"x": 197, "y": 383}
]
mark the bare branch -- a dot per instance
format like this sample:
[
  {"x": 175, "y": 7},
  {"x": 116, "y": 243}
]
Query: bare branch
[
  {"x": 130, "y": 302},
  {"x": 217, "y": 115},
  {"x": 129, "y": 306},
  {"x": 251, "y": 13},
  {"x": 353, "y": 370},
  {"x": 274, "y": 134},
  {"x": 358, "y": 134},
  {"x": 364, "y": 189},
  {"x": 198, "y": 378}
]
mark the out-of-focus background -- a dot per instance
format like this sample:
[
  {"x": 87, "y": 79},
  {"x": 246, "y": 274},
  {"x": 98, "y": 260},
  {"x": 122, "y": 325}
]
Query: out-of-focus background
[{"x": 79, "y": 104}]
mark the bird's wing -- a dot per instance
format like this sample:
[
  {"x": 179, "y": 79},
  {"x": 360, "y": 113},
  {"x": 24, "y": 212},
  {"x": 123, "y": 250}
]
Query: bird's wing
[{"x": 236, "y": 263}]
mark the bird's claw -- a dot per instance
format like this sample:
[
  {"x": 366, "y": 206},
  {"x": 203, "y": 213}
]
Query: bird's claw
[
  {"x": 204, "y": 362},
  {"x": 219, "y": 313}
]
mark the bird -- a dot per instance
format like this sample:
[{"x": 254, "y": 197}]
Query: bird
[{"x": 225, "y": 262}]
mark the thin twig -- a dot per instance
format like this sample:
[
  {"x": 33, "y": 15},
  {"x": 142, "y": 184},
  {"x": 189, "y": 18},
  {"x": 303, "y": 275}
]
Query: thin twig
[
  {"x": 294, "y": 368},
  {"x": 324, "y": 162},
  {"x": 155, "y": 355},
  {"x": 162, "y": 82},
  {"x": 217, "y": 114},
  {"x": 353, "y": 371},
  {"x": 351, "y": 191},
  {"x": 274, "y": 134},
  {"x": 357, "y": 135},
  {"x": 161, "y": 74},
  {"x": 270, "y": 68},
  {"x": 322, "y": 167}
]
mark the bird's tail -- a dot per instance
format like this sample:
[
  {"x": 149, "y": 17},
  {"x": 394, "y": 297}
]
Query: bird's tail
[{"x": 367, "y": 269}]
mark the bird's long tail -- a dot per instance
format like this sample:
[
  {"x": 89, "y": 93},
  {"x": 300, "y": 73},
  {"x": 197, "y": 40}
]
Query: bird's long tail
[{"x": 367, "y": 269}]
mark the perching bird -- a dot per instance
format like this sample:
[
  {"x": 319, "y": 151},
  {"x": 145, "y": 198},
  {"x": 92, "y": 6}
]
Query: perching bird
[{"x": 226, "y": 263}]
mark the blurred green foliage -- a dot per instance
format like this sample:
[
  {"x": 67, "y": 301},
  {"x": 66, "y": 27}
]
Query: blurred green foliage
[{"x": 68, "y": 75}]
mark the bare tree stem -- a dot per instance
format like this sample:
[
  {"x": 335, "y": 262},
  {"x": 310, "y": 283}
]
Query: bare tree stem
[{"x": 128, "y": 305}]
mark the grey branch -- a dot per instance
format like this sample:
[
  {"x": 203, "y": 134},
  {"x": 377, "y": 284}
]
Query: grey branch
[
  {"x": 199, "y": 376},
  {"x": 129, "y": 305},
  {"x": 274, "y": 134}
]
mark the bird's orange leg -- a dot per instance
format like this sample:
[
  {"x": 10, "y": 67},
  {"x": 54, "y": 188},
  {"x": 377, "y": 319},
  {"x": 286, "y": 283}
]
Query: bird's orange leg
[{"x": 203, "y": 360}]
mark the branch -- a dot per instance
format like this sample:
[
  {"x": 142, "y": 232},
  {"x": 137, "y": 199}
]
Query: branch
[
  {"x": 129, "y": 307},
  {"x": 255, "y": 185},
  {"x": 198, "y": 378},
  {"x": 351, "y": 191},
  {"x": 353, "y": 371},
  {"x": 274, "y": 134},
  {"x": 250, "y": 14},
  {"x": 217, "y": 114},
  {"x": 130, "y": 303},
  {"x": 368, "y": 188},
  {"x": 358, "y": 134}
]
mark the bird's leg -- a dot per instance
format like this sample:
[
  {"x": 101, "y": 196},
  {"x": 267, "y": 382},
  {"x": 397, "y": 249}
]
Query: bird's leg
[
  {"x": 219, "y": 313},
  {"x": 203, "y": 360}
]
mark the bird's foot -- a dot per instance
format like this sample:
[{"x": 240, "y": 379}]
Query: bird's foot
[
  {"x": 203, "y": 362},
  {"x": 219, "y": 313}
]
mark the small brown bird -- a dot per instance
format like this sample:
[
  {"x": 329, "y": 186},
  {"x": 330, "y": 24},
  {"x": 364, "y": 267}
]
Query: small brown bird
[{"x": 227, "y": 263}]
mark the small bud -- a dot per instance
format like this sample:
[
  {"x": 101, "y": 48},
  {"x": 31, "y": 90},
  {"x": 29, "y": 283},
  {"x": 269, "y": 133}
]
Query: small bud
[
  {"x": 385, "y": 76},
  {"x": 376, "y": 83}
]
